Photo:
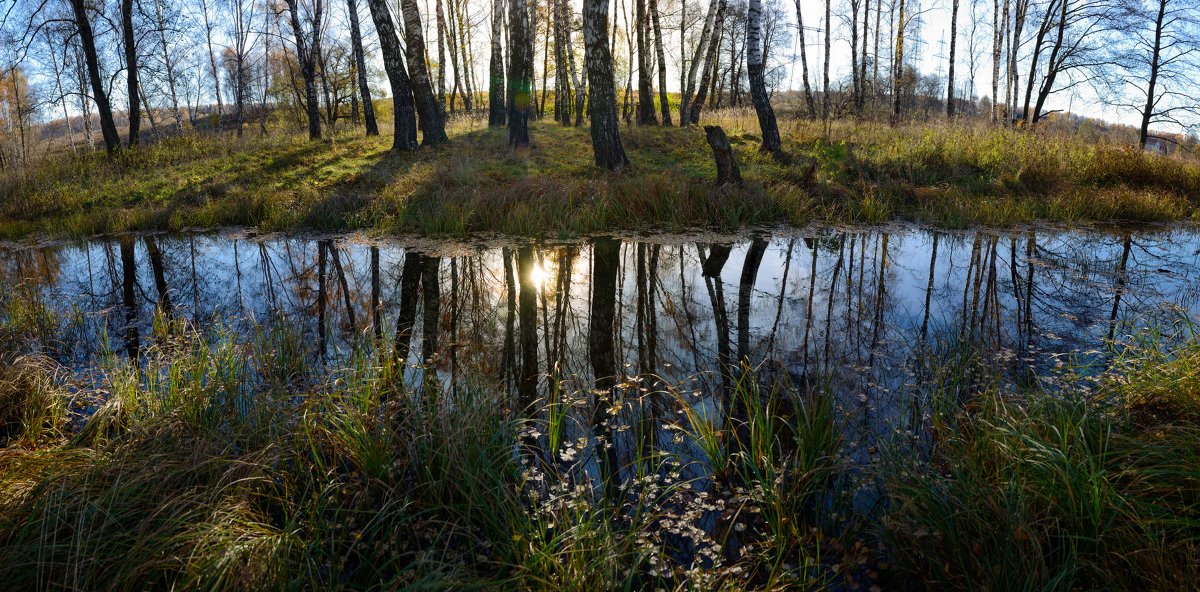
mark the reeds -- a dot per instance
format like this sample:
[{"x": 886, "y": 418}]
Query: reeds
[{"x": 219, "y": 461}]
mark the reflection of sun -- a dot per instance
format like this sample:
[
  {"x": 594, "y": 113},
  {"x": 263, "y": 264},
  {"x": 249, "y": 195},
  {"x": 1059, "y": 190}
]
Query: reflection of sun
[{"x": 538, "y": 274}]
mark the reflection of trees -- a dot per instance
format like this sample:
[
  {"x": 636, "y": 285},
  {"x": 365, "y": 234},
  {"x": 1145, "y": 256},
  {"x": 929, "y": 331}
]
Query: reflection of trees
[
  {"x": 713, "y": 263},
  {"x": 754, "y": 257},
  {"x": 606, "y": 254},
  {"x": 980, "y": 292},
  {"x": 406, "y": 316},
  {"x": 432, "y": 302},
  {"x": 527, "y": 310},
  {"x": 128, "y": 297}
]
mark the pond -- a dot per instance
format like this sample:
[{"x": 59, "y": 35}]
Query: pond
[{"x": 866, "y": 314}]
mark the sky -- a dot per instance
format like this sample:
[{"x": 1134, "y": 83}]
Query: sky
[{"x": 928, "y": 52}]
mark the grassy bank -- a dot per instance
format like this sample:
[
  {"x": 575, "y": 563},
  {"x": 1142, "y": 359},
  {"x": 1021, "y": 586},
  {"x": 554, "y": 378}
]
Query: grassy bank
[
  {"x": 231, "y": 462},
  {"x": 947, "y": 175}
]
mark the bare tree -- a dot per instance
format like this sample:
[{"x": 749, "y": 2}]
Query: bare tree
[
  {"x": 431, "y": 122},
  {"x": 645, "y": 102},
  {"x": 1159, "y": 64},
  {"x": 808, "y": 95},
  {"x": 758, "y": 86},
  {"x": 828, "y": 52},
  {"x": 953, "y": 46},
  {"x": 308, "y": 49},
  {"x": 664, "y": 104},
  {"x": 129, "y": 42},
  {"x": 520, "y": 74},
  {"x": 496, "y": 110},
  {"x": 403, "y": 113},
  {"x": 602, "y": 94},
  {"x": 699, "y": 56},
  {"x": 87, "y": 39},
  {"x": 212, "y": 57},
  {"x": 360, "y": 65}
]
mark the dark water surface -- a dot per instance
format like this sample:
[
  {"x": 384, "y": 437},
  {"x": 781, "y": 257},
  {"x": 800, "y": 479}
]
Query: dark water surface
[{"x": 858, "y": 311}]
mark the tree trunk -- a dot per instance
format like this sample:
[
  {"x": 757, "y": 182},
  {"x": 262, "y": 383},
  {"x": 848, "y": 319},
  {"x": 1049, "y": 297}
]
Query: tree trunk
[
  {"x": 112, "y": 140},
  {"x": 875, "y": 62},
  {"x": 404, "y": 115},
  {"x": 645, "y": 104},
  {"x": 664, "y": 104},
  {"x": 727, "y": 168},
  {"x": 306, "y": 55},
  {"x": 602, "y": 94},
  {"x": 1053, "y": 66},
  {"x": 170, "y": 67},
  {"x": 212, "y": 64},
  {"x": 464, "y": 41},
  {"x": 950, "y": 76},
  {"x": 808, "y": 95},
  {"x": 997, "y": 46},
  {"x": 862, "y": 65},
  {"x": 758, "y": 83},
  {"x": 430, "y": 121},
  {"x": 828, "y": 46},
  {"x": 541, "y": 110},
  {"x": 562, "y": 86},
  {"x": 898, "y": 75},
  {"x": 855, "y": 77},
  {"x": 360, "y": 65},
  {"x": 1148, "y": 111},
  {"x": 520, "y": 74},
  {"x": 131, "y": 71},
  {"x": 1043, "y": 29},
  {"x": 496, "y": 114},
  {"x": 698, "y": 57},
  {"x": 577, "y": 81},
  {"x": 709, "y": 76},
  {"x": 441, "y": 57}
]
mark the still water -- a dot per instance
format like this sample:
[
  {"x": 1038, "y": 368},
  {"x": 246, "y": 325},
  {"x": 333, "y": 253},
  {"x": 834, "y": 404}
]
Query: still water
[{"x": 859, "y": 312}]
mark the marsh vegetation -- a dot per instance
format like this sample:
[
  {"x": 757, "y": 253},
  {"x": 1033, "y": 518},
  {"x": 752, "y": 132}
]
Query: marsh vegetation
[{"x": 824, "y": 408}]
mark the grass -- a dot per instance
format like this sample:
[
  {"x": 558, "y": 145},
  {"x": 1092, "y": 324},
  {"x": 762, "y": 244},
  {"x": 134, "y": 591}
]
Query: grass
[
  {"x": 950, "y": 175},
  {"x": 222, "y": 461}
]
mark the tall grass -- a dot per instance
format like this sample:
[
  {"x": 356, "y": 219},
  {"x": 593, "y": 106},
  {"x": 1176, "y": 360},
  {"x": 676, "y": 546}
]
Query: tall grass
[{"x": 219, "y": 461}]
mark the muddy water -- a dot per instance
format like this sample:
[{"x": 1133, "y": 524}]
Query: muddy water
[{"x": 867, "y": 314}]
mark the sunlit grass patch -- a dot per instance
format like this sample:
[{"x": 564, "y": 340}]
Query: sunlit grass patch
[{"x": 955, "y": 175}]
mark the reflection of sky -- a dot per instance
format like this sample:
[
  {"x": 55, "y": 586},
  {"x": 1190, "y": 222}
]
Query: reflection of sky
[{"x": 871, "y": 318}]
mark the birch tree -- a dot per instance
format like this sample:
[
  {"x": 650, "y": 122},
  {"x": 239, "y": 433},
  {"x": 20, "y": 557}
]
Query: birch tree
[
  {"x": 430, "y": 120},
  {"x": 360, "y": 65},
  {"x": 602, "y": 94},
  {"x": 404, "y": 115},
  {"x": 308, "y": 48},
  {"x": 758, "y": 85},
  {"x": 520, "y": 74},
  {"x": 496, "y": 112}
]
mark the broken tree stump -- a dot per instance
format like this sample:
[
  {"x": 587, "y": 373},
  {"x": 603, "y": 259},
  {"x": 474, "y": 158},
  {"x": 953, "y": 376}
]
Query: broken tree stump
[{"x": 727, "y": 168}]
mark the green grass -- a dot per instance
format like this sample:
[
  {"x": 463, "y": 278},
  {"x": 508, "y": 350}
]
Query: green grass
[
  {"x": 230, "y": 462},
  {"x": 947, "y": 175}
]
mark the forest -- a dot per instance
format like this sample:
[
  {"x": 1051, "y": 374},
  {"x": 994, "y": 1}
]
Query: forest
[{"x": 597, "y": 295}]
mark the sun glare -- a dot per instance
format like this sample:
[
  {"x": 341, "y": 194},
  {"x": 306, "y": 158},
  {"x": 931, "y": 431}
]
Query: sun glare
[{"x": 538, "y": 275}]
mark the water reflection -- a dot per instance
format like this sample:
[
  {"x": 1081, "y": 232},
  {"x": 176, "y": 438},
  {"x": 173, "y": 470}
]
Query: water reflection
[{"x": 853, "y": 312}]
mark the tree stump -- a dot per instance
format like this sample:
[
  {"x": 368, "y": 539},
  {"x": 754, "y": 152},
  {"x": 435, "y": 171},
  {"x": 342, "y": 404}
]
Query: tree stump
[{"x": 727, "y": 168}]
